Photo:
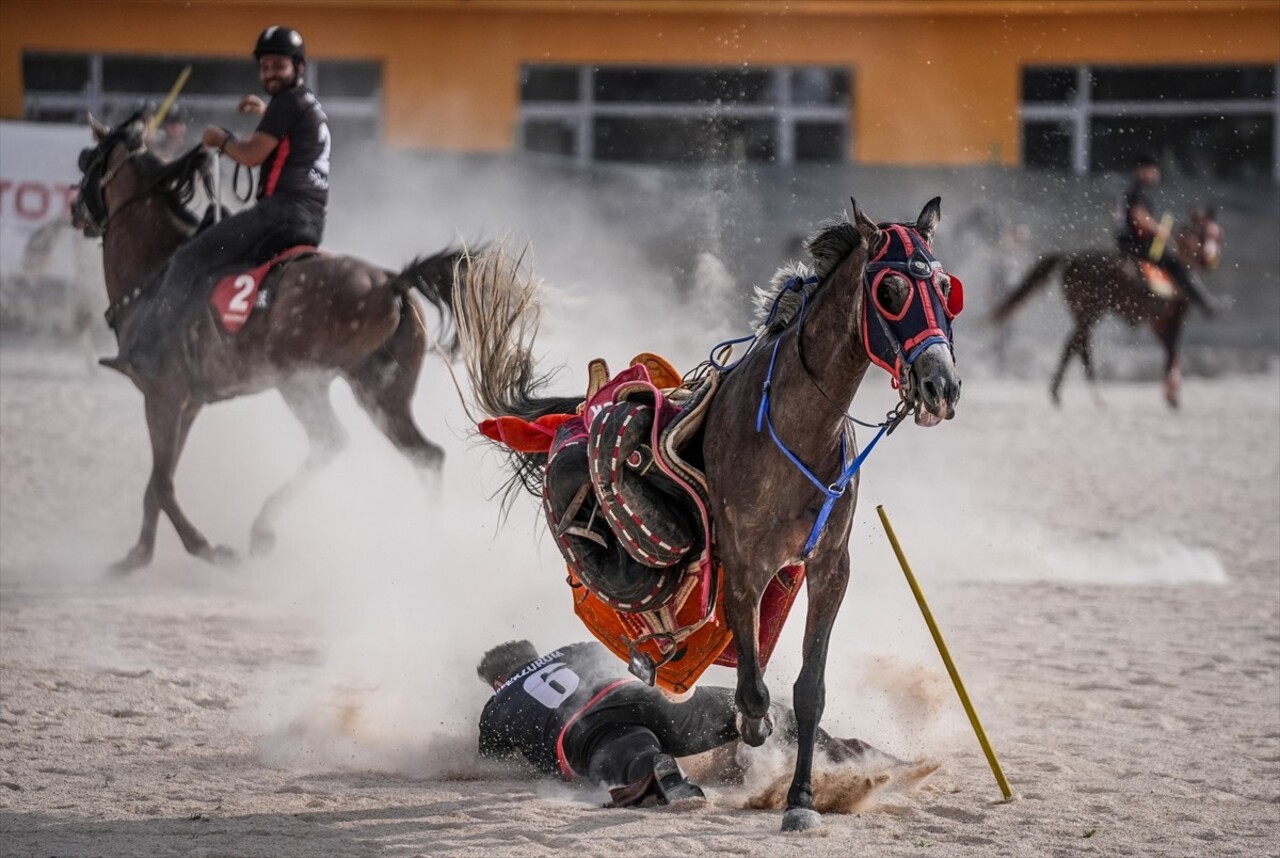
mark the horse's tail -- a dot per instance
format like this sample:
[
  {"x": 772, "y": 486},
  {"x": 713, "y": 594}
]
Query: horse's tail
[
  {"x": 497, "y": 314},
  {"x": 1033, "y": 282},
  {"x": 436, "y": 279}
]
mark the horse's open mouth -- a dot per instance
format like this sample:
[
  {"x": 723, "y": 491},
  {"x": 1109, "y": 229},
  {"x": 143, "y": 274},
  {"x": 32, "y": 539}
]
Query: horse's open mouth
[
  {"x": 927, "y": 418},
  {"x": 930, "y": 410}
]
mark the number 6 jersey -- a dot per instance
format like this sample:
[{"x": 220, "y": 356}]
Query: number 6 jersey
[{"x": 533, "y": 710}]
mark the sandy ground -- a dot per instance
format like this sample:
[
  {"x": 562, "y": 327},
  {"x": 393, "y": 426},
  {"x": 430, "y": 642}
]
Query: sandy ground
[{"x": 1108, "y": 580}]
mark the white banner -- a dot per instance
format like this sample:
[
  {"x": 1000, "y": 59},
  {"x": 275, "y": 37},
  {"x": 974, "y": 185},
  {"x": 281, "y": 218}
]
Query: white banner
[{"x": 38, "y": 178}]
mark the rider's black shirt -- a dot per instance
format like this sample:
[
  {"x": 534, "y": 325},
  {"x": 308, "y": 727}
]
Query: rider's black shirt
[
  {"x": 533, "y": 708},
  {"x": 299, "y": 165},
  {"x": 1130, "y": 237}
]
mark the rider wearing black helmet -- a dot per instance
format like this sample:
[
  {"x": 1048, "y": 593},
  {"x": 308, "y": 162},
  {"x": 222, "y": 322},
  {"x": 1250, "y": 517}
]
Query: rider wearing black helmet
[
  {"x": 171, "y": 136},
  {"x": 291, "y": 145}
]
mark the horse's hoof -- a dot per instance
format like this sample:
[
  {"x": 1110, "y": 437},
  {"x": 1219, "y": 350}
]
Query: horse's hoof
[
  {"x": 754, "y": 731},
  {"x": 261, "y": 543},
  {"x": 801, "y": 819},
  {"x": 432, "y": 478},
  {"x": 220, "y": 555},
  {"x": 135, "y": 559}
]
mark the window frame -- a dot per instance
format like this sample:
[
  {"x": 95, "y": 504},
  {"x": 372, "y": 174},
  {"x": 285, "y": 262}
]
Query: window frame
[
  {"x": 95, "y": 98},
  {"x": 580, "y": 114},
  {"x": 1076, "y": 114}
]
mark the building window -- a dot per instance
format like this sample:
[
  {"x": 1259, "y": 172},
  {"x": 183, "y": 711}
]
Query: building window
[
  {"x": 1207, "y": 121},
  {"x": 686, "y": 115},
  {"x": 64, "y": 87}
]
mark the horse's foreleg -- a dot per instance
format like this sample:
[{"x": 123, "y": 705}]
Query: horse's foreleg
[
  {"x": 827, "y": 580},
  {"x": 308, "y": 399},
  {"x": 168, "y": 425},
  {"x": 1170, "y": 334},
  {"x": 742, "y": 612},
  {"x": 1086, "y": 358}
]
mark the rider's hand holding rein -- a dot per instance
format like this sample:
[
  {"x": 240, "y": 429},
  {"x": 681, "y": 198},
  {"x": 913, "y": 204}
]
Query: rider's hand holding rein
[{"x": 251, "y": 152}]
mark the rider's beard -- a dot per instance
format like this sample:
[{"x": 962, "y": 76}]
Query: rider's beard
[{"x": 277, "y": 85}]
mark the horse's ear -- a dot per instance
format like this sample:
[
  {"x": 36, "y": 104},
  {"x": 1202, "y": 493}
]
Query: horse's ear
[
  {"x": 100, "y": 131},
  {"x": 927, "y": 222},
  {"x": 865, "y": 225}
]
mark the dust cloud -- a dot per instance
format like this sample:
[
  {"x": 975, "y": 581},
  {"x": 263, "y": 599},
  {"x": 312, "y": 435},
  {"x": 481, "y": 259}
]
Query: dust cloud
[{"x": 402, "y": 590}]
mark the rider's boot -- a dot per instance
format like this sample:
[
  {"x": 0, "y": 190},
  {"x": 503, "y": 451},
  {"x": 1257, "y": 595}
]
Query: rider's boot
[
  {"x": 674, "y": 787},
  {"x": 119, "y": 363},
  {"x": 148, "y": 340},
  {"x": 1194, "y": 289}
]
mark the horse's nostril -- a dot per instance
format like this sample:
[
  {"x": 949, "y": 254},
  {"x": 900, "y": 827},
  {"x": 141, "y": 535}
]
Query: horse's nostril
[{"x": 930, "y": 391}]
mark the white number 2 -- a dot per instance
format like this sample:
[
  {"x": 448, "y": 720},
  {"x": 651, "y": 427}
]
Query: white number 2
[
  {"x": 240, "y": 301},
  {"x": 552, "y": 685}
]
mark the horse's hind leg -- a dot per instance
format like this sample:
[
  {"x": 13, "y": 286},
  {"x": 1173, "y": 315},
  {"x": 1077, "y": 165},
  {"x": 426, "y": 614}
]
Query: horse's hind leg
[
  {"x": 308, "y": 399},
  {"x": 384, "y": 386},
  {"x": 827, "y": 579}
]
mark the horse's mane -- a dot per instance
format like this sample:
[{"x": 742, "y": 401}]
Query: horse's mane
[{"x": 828, "y": 247}]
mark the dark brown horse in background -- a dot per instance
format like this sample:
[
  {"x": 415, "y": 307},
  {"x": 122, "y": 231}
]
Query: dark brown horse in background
[
  {"x": 763, "y": 508},
  {"x": 331, "y": 316},
  {"x": 1098, "y": 282}
]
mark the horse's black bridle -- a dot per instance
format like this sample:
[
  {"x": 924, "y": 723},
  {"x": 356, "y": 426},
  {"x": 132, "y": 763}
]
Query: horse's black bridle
[{"x": 174, "y": 180}]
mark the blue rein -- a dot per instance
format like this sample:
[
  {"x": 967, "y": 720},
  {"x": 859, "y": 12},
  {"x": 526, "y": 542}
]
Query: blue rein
[{"x": 833, "y": 492}]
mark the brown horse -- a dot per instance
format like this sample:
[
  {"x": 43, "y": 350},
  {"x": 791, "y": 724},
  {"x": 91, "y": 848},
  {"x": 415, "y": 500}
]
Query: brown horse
[
  {"x": 1098, "y": 282},
  {"x": 331, "y": 316},
  {"x": 873, "y": 294}
]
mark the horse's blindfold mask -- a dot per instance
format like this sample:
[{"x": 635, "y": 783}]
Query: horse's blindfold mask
[{"x": 893, "y": 340}]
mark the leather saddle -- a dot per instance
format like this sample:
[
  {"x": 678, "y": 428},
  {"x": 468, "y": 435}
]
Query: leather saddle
[{"x": 628, "y": 511}]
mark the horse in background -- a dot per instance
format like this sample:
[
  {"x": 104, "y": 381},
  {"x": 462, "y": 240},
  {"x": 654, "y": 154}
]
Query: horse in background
[
  {"x": 1096, "y": 283},
  {"x": 873, "y": 293},
  {"x": 328, "y": 316}
]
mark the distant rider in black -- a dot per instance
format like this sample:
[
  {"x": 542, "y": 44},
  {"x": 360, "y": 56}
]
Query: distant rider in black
[
  {"x": 1139, "y": 229},
  {"x": 291, "y": 145},
  {"x": 577, "y": 712}
]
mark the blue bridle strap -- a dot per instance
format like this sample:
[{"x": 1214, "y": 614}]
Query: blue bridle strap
[{"x": 764, "y": 418}]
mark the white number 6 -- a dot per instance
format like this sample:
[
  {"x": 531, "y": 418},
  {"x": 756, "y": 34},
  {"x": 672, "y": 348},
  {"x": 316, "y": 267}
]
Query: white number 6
[{"x": 552, "y": 685}]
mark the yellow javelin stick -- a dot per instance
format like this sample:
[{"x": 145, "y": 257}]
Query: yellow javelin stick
[
  {"x": 946, "y": 657},
  {"x": 1162, "y": 238},
  {"x": 169, "y": 100}
]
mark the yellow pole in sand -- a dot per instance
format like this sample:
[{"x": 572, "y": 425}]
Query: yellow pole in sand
[
  {"x": 169, "y": 100},
  {"x": 946, "y": 657}
]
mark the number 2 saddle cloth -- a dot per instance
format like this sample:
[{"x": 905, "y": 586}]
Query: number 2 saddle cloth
[{"x": 626, "y": 499}]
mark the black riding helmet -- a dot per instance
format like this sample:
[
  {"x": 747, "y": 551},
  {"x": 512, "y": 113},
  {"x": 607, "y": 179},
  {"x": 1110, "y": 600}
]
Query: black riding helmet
[
  {"x": 178, "y": 112},
  {"x": 280, "y": 40},
  {"x": 1146, "y": 158}
]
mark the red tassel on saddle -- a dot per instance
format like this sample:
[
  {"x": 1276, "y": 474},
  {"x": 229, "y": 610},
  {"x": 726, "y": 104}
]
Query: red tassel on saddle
[{"x": 524, "y": 436}]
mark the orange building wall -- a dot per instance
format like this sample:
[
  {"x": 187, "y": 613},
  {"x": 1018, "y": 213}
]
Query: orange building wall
[{"x": 934, "y": 82}]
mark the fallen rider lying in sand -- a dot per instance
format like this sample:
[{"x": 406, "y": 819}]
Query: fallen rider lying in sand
[{"x": 576, "y": 712}]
